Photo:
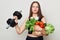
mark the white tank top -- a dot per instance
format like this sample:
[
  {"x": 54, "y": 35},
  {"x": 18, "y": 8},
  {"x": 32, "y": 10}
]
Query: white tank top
[{"x": 37, "y": 18}]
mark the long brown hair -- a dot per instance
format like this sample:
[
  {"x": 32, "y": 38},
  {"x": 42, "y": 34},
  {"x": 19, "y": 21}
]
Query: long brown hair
[{"x": 39, "y": 10}]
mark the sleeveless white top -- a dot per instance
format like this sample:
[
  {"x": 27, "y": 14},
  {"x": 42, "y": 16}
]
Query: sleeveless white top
[{"x": 37, "y": 18}]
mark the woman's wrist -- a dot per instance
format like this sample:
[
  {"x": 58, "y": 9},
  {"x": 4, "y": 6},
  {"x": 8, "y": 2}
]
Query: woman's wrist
[{"x": 16, "y": 25}]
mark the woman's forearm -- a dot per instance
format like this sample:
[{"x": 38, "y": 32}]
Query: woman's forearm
[
  {"x": 17, "y": 29},
  {"x": 20, "y": 29}
]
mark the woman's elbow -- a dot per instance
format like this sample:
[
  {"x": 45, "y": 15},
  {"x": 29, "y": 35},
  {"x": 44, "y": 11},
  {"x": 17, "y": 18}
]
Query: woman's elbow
[{"x": 19, "y": 33}]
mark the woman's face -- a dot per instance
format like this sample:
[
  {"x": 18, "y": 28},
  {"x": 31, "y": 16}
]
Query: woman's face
[{"x": 35, "y": 8}]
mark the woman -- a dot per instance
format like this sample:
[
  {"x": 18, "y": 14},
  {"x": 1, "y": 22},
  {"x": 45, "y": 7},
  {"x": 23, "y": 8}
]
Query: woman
[{"x": 37, "y": 34}]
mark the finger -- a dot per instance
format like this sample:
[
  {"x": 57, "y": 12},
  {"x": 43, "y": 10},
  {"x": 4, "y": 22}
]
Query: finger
[
  {"x": 16, "y": 21},
  {"x": 15, "y": 17}
]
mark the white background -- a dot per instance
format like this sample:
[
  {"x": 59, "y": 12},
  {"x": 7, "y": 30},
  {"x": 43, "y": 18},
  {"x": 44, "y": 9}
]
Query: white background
[{"x": 50, "y": 9}]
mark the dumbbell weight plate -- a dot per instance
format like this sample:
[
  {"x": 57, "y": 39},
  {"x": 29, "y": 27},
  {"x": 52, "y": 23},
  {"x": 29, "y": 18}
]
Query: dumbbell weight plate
[
  {"x": 18, "y": 14},
  {"x": 11, "y": 22}
]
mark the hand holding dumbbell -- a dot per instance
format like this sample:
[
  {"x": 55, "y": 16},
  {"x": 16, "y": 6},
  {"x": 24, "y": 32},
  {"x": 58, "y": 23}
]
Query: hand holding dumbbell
[{"x": 11, "y": 22}]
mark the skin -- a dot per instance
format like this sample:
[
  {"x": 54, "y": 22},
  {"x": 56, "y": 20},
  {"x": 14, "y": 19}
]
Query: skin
[{"x": 38, "y": 31}]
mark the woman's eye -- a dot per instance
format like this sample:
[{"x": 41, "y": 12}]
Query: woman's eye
[{"x": 35, "y": 7}]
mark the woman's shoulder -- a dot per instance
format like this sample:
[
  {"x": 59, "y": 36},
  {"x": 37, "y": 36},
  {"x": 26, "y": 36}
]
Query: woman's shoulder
[{"x": 42, "y": 17}]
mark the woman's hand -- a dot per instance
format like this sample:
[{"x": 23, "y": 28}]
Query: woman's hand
[
  {"x": 43, "y": 31},
  {"x": 37, "y": 28},
  {"x": 16, "y": 19}
]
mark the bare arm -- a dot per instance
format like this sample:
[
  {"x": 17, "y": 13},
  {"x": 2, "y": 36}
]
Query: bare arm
[
  {"x": 44, "y": 20},
  {"x": 20, "y": 29},
  {"x": 43, "y": 30}
]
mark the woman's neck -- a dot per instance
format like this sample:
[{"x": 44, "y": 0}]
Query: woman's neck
[{"x": 34, "y": 15}]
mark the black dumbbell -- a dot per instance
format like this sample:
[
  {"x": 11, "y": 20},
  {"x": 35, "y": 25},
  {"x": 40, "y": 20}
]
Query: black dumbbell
[
  {"x": 18, "y": 14},
  {"x": 11, "y": 22}
]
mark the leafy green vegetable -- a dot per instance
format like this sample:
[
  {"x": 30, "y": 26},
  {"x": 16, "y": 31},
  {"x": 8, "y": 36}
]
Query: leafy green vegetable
[
  {"x": 49, "y": 28},
  {"x": 30, "y": 24}
]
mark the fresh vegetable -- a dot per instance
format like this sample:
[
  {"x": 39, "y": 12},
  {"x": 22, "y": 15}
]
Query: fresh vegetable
[
  {"x": 30, "y": 24},
  {"x": 40, "y": 23},
  {"x": 49, "y": 28}
]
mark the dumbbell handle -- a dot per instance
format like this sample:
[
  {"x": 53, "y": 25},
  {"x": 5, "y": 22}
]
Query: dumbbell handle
[
  {"x": 7, "y": 27},
  {"x": 20, "y": 11}
]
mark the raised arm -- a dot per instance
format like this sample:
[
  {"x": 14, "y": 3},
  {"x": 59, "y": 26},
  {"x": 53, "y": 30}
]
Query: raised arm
[{"x": 20, "y": 29}]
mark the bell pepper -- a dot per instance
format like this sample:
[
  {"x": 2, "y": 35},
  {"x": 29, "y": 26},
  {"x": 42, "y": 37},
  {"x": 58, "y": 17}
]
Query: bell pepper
[
  {"x": 40, "y": 23},
  {"x": 37, "y": 23}
]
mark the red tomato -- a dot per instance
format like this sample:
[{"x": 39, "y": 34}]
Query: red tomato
[
  {"x": 42, "y": 26},
  {"x": 41, "y": 23},
  {"x": 37, "y": 23}
]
